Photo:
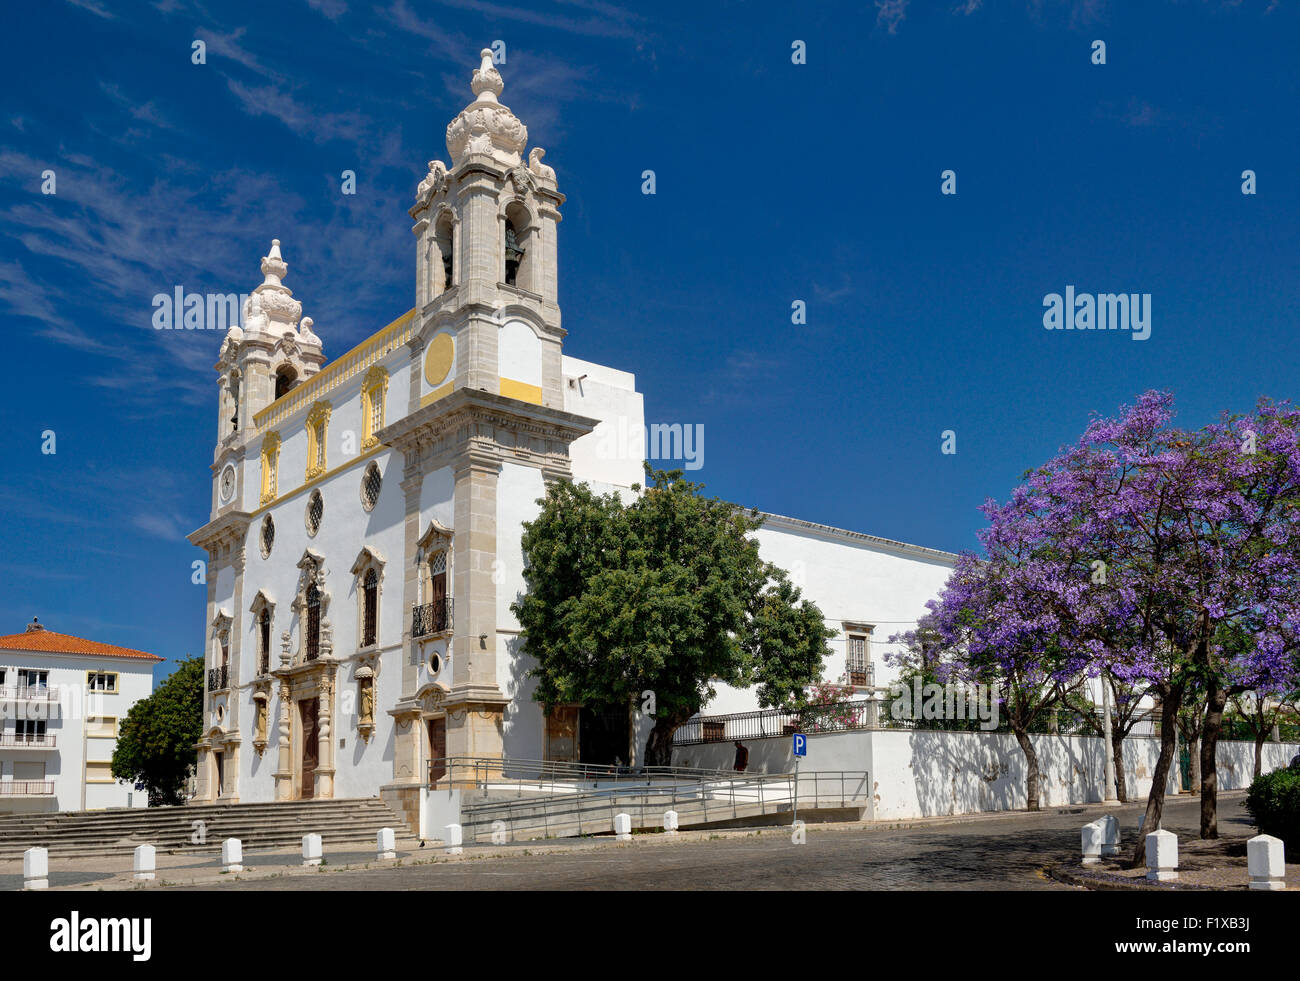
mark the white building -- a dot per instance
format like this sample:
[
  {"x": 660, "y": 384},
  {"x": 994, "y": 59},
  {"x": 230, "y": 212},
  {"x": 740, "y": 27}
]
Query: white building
[
  {"x": 62, "y": 699},
  {"x": 364, "y": 544}
]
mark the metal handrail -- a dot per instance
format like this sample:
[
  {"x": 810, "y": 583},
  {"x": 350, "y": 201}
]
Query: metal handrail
[
  {"x": 776, "y": 792},
  {"x": 45, "y": 740},
  {"x": 26, "y": 788},
  {"x": 481, "y": 771},
  {"x": 29, "y": 693}
]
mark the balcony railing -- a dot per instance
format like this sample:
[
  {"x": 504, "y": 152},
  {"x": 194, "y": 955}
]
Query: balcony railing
[
  {"x": 431, "y": 618},
  {"x": 26, "y": 788},
  {"x": 11, "y": 740},
  {"x": 29, "y": 693},
  {"x": 218, "y": 678}
]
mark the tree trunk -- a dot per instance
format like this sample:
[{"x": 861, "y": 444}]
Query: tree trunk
[
  {"x": 659, "y": 744},
  {"x": 1117, "y": 752},
  {"x": 1260, "y": 736},
  {"x": 1031, "y": 767},
  {"x": 1171, "y": 697},
  {"x": 631, "y": 731},
  {"x": 1216, "y": 697},
  {"x": 1194, "y": 759}
]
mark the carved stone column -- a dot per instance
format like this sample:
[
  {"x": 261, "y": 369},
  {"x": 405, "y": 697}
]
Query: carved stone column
[
  {"x": 284, "y": 768},
  {"x": 325, "y": 742}
]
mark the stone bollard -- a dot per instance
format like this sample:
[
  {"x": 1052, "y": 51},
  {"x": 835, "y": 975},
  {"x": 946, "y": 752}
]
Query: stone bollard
[
  {"x": 1162, "y": 856},
  {"x": 1266, "y": 862},
  {"x": 670, "y": 822},
  {"x": 387, "y": 843},
  {"x": 312, "y": 852},
  {"x": 454, "y": 839},
  {"x": 36, "y": 868},
  {"x": 232, "y": 855},
  {"x": 623, "y": 826},
  {"x": 145, "y": 864},
  {"x": 1092, "y": 841},
  {"x": 1110, "y": 836}
]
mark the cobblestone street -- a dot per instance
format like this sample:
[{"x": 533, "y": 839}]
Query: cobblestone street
[{"x": 998, "y": 852}]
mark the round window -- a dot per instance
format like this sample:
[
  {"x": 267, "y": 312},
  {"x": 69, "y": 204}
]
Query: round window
[
  {"x": 435, "y": 663},
  {"x": 371, "y": 484}
]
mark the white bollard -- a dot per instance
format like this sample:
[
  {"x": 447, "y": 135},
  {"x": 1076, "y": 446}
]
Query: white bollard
[
  {"x": 36, "y": 868},
  {"x": 454, "y": 838},
  {"x": 387, "y": 843},
  {"x": 1162, "y": 856},
  {"x": 146, "y": 863},
  {"x": 311, "y": 850},
  {"x": 1266, "y": 862},
  {"x": 232, "y": 855},
  {"x": 623, "y": 826},
  {"x": 1110, "y": 837},
  {"x": 1091, "y": 842},
  {"x": 670, "y": 822}
]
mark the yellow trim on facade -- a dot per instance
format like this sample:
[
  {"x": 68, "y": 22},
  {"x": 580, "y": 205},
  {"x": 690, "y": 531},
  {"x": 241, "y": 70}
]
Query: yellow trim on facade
[
  {"x": 339, "y": 370},
  {"x": 270, "y": 467},
  {"x": 319, "y": 479},
  {"x": 437, "y": 394},
  {"x": 374, "y": 387},
  {"x": 318, "y": 439},
  {"x": 522, "y": 391},
  {"x": 440, "y": 358}
]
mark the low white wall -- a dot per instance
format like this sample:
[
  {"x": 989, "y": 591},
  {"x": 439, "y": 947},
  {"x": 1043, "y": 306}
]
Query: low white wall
[{"x": 924, "y": 773}]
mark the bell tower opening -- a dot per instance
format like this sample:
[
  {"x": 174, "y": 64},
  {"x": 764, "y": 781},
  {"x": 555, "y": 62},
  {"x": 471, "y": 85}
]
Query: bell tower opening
[
  {"x": 286, "y": 380},
  {"x": 514, "y": 254}
]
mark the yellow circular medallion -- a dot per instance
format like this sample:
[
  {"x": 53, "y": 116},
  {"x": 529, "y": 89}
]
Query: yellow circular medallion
[{"x": 439, "y": 358}]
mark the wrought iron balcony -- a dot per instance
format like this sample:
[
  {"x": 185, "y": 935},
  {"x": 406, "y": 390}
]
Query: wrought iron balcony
[
  {"x": 12, "y": 740},
  {"x": 431, "y": 618},
  {"x": 218, "y": 678}
]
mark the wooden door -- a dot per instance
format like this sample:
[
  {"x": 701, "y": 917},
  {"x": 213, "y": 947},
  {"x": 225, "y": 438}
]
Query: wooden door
[
  {"x": 310, "y": 709},
  {"x": 437, "y": 749}
]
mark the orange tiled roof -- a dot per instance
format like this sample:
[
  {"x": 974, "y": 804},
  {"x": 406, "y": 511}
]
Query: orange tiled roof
[{"x": 55, "y": 643}]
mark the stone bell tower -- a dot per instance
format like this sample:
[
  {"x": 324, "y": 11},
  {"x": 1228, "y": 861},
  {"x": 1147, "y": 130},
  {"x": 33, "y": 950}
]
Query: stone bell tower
[{"x": 485, "y": 396}]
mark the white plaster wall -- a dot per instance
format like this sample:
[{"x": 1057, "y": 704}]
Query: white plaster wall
[
  {"x": 519, "y": 353},
  {"x": 65, "y": 720},
  {"x": 518, "y": 490},
  {"x": 922, "y": 773},
  {"x": 610, "y": 457}
]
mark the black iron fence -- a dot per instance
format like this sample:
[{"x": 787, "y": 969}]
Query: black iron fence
[{"x": 431, "y": 618}]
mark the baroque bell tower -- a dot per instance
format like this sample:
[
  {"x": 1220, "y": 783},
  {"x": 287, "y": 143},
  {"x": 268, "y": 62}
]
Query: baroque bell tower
[{"x": 485, "y": 397}]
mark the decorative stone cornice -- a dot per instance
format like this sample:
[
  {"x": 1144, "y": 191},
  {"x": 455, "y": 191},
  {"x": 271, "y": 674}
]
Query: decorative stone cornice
[{"x": 230, "y": 528}]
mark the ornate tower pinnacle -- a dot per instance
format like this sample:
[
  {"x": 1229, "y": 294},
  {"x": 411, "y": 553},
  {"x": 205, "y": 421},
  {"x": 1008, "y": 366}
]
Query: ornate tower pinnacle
[{"x": 485, "y": 127}]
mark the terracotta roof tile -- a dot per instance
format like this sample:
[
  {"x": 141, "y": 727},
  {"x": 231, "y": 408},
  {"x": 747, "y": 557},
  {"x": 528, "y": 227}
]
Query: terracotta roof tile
[{"x": 47, "y": 641}]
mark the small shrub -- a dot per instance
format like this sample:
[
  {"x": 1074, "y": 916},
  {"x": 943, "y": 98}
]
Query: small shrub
[{"x": 1274, "y": 806}]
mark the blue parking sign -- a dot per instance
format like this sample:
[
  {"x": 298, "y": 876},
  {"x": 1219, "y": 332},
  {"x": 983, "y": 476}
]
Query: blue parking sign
[{"x": 800, "y": 744}]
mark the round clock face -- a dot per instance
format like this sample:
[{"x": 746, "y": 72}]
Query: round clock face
[{"x": 227, "y": 483}]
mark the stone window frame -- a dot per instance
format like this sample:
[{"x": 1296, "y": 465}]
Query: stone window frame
[
  {"x": 318, "y": 422},
  {"x": 367, "y": 559},
  {"x": 375, "y": 386},
  {"x": 312, "y": 499},
  {"x": 528, "y": 234},
  {"x": 312, "y": 570},
  {"x": 263, "y": 603},
  {"x": 270, "y": 457},
  {"x": 372, "y": 466},
  {"x": 436, "y": 278},
  {"x": 223, "y": 654},
  {"x": 265, "y": 546}
]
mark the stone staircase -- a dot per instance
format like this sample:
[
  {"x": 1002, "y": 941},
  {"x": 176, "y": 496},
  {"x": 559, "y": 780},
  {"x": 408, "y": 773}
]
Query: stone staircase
[{"x": 260, "y": 827}]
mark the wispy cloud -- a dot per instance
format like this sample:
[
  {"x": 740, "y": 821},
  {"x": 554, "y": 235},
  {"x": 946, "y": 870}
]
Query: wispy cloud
[{"x": 890, "y": 13}]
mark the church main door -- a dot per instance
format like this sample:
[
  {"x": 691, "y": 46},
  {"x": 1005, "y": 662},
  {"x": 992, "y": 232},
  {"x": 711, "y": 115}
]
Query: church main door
[{"x": 310, "y": 711}]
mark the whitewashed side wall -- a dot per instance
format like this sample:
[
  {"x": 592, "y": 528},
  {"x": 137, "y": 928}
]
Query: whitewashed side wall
[{"x": 921, "y": 773}]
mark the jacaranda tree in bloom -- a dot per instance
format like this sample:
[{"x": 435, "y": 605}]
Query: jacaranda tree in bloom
[{"x": 1168, "y": 558}]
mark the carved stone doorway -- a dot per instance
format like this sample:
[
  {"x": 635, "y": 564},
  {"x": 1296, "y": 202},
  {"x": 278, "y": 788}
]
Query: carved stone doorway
[{"x": 309, "y": 711}]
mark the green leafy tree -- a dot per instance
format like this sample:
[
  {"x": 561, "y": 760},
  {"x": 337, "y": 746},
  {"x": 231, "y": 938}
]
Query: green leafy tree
[
  {"x": 155, "y": 747},
  {"x": 645, "y": 605}
]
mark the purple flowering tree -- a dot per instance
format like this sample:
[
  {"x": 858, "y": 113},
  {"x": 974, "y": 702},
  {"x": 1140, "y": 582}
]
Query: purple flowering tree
[{"x": 1167, "y": 559}]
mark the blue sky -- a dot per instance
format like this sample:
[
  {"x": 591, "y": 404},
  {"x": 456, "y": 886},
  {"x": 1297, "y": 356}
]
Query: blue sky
[{"x": 776, "y": 182}]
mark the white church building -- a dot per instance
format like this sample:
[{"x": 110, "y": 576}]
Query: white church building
[{"x": 364, "y": 541}]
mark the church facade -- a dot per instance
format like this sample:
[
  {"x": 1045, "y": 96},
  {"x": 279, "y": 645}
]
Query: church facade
[{"x": 364, "y": 541}]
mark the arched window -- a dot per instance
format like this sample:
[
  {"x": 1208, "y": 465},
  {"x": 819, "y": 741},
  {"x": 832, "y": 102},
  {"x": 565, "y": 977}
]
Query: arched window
[
  {"x": 437, "y": 577},
  {"x": 443, "y": 273},
  {"x": 313, "y": 622},
  {"x": 264, "y": 642},
  {"x": 370, "y": 609}
]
